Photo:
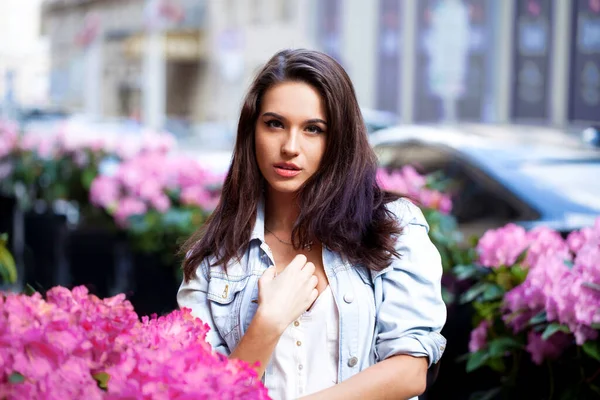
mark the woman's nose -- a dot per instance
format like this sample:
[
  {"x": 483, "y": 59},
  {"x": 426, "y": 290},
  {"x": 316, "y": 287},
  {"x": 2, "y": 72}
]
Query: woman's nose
[{"x": 290, "y": 145}]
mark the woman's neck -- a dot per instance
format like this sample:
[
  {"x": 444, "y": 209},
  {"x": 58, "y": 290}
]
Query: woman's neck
[{"x": 281, "y": 211}]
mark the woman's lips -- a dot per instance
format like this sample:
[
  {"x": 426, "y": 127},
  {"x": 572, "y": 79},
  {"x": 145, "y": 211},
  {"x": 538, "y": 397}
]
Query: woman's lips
[{"x": 286, "y": 173}]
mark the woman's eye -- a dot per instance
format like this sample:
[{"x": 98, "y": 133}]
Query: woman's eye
[
  {"x": 314, "y": 129},
  {"x": 274, "y": 124}
]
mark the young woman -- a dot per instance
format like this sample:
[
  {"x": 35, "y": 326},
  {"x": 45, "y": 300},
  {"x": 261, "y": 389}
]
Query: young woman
[{"x": 306, "y": 266}]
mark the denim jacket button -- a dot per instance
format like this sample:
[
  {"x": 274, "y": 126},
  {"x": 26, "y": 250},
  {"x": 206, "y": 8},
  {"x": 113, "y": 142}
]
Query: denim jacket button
[
  {"x": 349, "y": 297},
  {"x": 352, "y": 362}
]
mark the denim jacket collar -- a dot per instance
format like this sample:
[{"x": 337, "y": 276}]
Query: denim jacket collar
[{"x": 258, "y": 232}]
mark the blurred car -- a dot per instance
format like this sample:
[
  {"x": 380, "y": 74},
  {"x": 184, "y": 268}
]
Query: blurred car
[
  {"x": 526, "y": 175},
  {"x": 40, "y": 119},
  {"x": 377, "y": 119}
]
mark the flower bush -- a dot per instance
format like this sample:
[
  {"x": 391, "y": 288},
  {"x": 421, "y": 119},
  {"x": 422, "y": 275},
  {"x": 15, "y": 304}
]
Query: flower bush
[
  {"x": 61, "y": 164},
  {"x": 432, "y": 193},
  {"x": 420, "y": 188},
  {"x": 75, "y": 345},
  {"x": 157, "y": 198},
  {"x": 537, "y": 294}
]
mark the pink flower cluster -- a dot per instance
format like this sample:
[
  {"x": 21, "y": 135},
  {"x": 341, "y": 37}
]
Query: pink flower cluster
[
  {"x": 502, "y": 246},
  {"x": 77, "y": 141},
  {"x": 9, "y": 138},
  {"x": 546, "y": 349},
  {"x": 408, "y": 182},
  {"x": 145, "y": 182},
  {"x": 478, "y": 338},
  {"x": 57, "y": 348},
  {"x": 563, "y": 280}
]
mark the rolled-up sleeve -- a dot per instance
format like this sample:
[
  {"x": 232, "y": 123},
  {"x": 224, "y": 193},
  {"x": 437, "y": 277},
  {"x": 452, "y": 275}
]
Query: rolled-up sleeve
[
  {"x": 193, "y": 295},
  {"x": 411, "y": 312}
]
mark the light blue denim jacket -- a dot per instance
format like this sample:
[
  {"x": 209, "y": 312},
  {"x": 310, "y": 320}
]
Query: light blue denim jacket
[{"x": 398, "y": 310}]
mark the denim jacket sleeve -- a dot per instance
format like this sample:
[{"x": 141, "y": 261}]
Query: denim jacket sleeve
[
  {"x": 410, "y": 309},
  {"x": 193, "y": 295}
]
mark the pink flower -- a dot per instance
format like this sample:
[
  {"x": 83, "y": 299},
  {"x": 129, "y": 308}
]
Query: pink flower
[
  {"x": 577, "y": 239},
  {"x": 543, "y": 241},
  {"x": 104, "y": 192},
  {"x": 502, "y": 246},
  {"x": 149, "y": 189},
  {"x": 9, "y": 137},
  {"x": 161, "y": 203},
  {"x": 478, "y": 339},
  {"x": 408, "y": 182},
  {"x": 551, "y": 348},
  {"x": 199, "y": 196},
  {"x": 128, "y": 207},
  {"x": 157, "y": 142}
]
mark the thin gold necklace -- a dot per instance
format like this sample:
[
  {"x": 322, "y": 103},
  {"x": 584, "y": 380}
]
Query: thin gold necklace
[{"x": 307, "y": 246}]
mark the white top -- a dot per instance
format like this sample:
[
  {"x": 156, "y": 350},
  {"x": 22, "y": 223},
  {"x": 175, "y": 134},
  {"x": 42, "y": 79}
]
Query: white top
[{"x": 305, "y": 359}]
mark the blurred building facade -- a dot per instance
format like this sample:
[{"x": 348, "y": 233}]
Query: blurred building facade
[
  {"x": 24, "y": 55},
  {"x": 425, "y": 60},
  {"x": 187, "y": 59}
]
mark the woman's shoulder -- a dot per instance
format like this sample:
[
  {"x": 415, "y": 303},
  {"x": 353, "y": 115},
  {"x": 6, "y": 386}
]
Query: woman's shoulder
[{"x": 407, "y": 212}]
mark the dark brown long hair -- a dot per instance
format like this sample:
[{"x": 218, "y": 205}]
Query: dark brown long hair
[{"x": 341, "y": 204}]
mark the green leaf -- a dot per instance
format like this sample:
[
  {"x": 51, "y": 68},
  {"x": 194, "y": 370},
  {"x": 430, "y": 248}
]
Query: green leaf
[
  {"x": 474, "y": 292},
  {"x": 462, "y": 358},
  {"x": 592, "y": 349},
  {"x": 538, "y": 318},
  {"x": 447, "y": 296},
  {"x": 16, "y": 377},
  {"x": 7, "y": 265},
  {"x": 493, "y": 292},
  {"x": 498, "y": 347},
  {"x": 102, "y": 378},
  {"x": 4, "y": 276},
  {"x": 28, "y": 290},
  {"x": 138, "y": 224},
  {"x": 596, "y": 326},
  {"x": 463, "y": 272},
  {"x": 473, "y": 240},
  {"x": 505, "y": 279},
  {"x": 477, "y": 359},
  {"x": 487, "y": 310},
  {"x": 497, "y": 364},
  {"x": 522, "y": 256},
  {"x": 177, "y": 218},
  {"x": 87, "y": 177},
  {"x": 552, "y": 329},
  {"x": 519, "y": 274}
]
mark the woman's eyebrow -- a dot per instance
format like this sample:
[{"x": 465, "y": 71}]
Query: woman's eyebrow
[
  {"x": 316, "y": 121},
  {"x": 281, "y": 117}
]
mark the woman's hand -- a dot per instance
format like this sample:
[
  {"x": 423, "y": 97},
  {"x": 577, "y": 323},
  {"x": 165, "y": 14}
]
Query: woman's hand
[{"x": 283, "y": 298}]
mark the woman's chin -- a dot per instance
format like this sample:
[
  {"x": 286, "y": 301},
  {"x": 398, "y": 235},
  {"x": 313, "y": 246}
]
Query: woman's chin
[{"x": 285, "y": 187}]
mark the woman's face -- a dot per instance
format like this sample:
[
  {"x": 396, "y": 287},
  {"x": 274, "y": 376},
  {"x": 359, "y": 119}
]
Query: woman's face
[{"x": 290, "y": 135}]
